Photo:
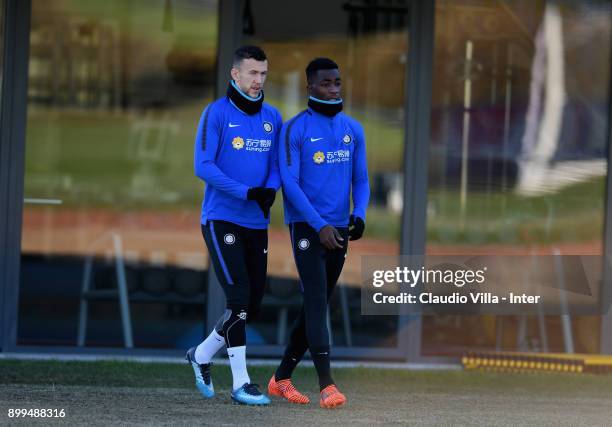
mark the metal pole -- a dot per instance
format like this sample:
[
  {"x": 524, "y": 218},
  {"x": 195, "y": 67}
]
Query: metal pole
[
  {"x": 83, "y": 305},
  {"x": 123, "y": 295},
  {"x": 566, "y": 320}
]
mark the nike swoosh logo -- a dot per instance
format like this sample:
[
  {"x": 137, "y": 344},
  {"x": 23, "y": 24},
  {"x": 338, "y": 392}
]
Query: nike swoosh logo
[
  {"x": 233, "y": 126},
  {"x": 315, "y": 139},
  {"x": 265, "y": 251}
]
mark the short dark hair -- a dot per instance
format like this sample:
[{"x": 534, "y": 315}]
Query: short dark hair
[
  {"x": 248, "y": 52},
  {"x": 319, "y": 64}
]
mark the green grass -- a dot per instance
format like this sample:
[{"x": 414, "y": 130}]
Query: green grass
[
  {"x": 139, "y": 375},
  {"x": 111, "y": 393}
]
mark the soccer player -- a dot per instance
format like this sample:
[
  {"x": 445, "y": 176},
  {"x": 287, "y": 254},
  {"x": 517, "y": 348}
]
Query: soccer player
[
  {"x": 322, "y": 159},
  {"x": 235, "y": 155}
]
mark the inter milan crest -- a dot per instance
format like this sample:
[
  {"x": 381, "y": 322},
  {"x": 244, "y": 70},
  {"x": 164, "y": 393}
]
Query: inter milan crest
[
  {"x": 267, "y": 126},
  {"x": 347, "y": 139},
  {"x": 303, "y": 244},
  {"x": 229, "y": 239}
]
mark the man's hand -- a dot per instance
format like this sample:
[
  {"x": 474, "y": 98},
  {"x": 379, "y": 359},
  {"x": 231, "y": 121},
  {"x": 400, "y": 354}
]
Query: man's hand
[
  {"x": 330, "y": 237},
  {"x": 264, "y": 197},
  {"x": 356, "y": 228}
]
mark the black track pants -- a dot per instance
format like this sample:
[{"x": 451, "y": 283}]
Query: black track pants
[
  {"x": 319, "y": 269},
  {"x": 240, "y": 258}
]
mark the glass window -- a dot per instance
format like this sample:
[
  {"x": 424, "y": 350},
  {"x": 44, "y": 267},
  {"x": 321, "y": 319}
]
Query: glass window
[
  {"x": 115, "y": 92},
  {"x": 370, "y": 43},
  {"x": 518, "y": 151},
  {"x": 2, "y": 6}
]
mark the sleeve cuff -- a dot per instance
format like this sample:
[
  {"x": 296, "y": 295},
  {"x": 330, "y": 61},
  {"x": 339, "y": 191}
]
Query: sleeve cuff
[
  {"x": 273, "y": 184},
  {"x": 318, "y": 225},
  {"x": 360, "y": 213},
  {"x": 243, "y": 192}
]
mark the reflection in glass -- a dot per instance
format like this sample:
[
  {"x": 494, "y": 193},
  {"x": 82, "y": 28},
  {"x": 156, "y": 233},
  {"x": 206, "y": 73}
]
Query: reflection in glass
[
  {"x": 369, "y": 42},
  {"x": 517, "y": 156},
  {"x": 1, "y": 45},
  {"x": 114, "y": 95}
]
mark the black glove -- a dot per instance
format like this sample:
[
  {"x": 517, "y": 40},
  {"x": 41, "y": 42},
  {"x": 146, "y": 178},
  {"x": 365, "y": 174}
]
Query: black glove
[
  {"x": 264, "y": 197},
  {"x": 356, "y": 228}
]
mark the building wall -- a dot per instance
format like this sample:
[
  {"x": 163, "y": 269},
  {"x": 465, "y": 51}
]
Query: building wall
[{"x": 515, "y": 164}]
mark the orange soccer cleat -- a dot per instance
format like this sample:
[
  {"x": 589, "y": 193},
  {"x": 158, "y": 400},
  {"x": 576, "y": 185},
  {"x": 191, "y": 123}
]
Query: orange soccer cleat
[
  {"x": 284, "y": 388},
  {"x": 331, "y": 397}
]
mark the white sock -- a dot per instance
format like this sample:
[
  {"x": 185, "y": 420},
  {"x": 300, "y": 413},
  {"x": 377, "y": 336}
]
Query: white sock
[
  {"x": 209, "y": 347},
  {"x": 237, "y": 358}
]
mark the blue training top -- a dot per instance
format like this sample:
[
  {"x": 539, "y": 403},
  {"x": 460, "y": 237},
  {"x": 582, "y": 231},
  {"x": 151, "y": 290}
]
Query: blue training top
[
  {"x": 235, "y": 151},
  {"x": 320, "y": 159}
]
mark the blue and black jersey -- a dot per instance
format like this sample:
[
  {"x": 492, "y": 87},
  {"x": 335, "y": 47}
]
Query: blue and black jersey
[
  {"x": 322, "y": 159},
  {"x": 235, "y": 151}
]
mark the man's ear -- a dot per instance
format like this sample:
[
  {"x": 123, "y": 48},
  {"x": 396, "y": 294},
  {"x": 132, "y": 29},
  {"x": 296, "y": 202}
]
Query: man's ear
[{"x": 234, "y": 73}]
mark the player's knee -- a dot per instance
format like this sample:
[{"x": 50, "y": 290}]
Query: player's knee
[
  {"x": 234, "y": 327},
  {"x": 234, "y": 314}
]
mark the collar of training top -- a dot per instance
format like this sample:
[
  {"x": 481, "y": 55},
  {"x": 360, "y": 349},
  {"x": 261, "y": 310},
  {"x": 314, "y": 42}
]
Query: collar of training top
[
  {"x": 244, "y": 102},
  {"x": 327, "y": 108}
]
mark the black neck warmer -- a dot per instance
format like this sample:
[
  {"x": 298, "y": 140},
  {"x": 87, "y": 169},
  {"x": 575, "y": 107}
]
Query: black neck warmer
[
  {"x": 325, "y": 108},
  {"x": 244, "y": 102}
]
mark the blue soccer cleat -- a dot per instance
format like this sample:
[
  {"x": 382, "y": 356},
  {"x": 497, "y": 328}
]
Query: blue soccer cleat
[
  {"x": 249, "y": 394},
  {"x": 202, "y": 375}
]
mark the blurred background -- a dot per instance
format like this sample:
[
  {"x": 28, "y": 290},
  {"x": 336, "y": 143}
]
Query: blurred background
[{"x": 516, "y": 148}]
